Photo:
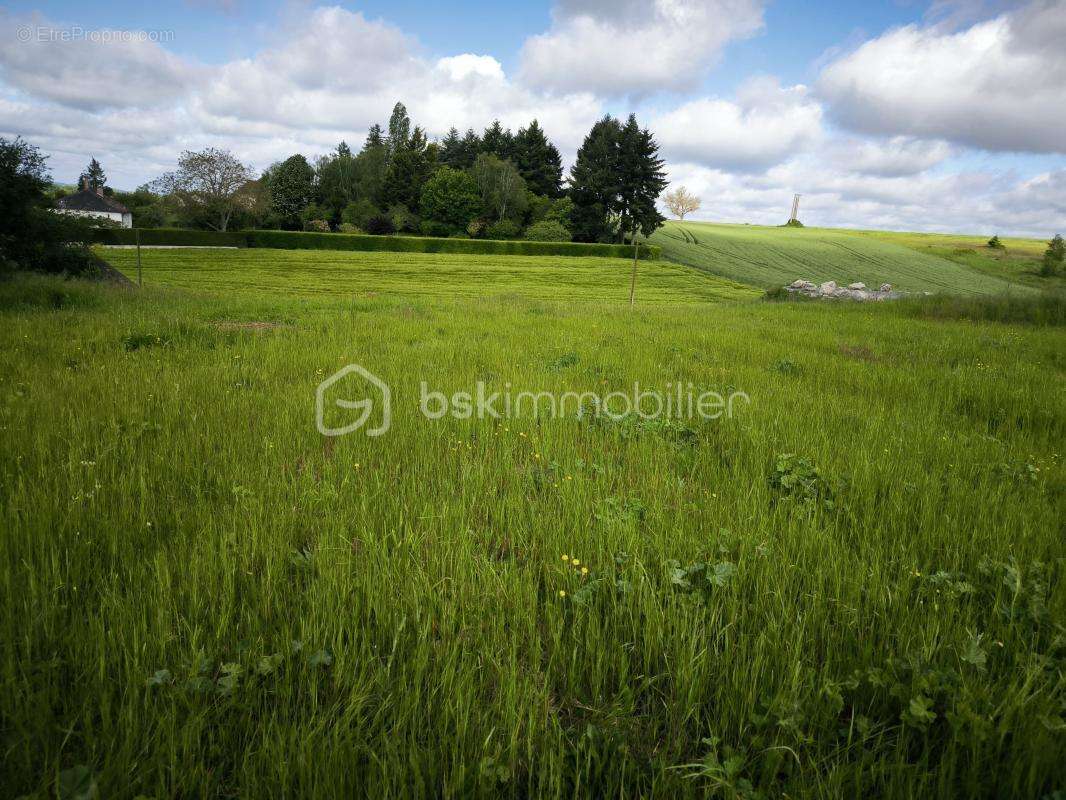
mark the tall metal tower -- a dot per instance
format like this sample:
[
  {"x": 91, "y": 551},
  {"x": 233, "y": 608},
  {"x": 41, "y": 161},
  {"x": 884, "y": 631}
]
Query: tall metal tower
[{"x": 795, "y": 208}]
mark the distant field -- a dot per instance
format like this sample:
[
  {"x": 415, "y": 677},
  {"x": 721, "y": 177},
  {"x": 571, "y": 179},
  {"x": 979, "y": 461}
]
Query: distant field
[
  {"x": 764, "y": 257},
  {"x": 1018, "y": 260},
  {"x": 332, "y": 272}
]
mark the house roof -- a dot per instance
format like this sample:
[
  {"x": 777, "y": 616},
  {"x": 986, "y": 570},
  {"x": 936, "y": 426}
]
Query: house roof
[{"x": 89, "y": 200}]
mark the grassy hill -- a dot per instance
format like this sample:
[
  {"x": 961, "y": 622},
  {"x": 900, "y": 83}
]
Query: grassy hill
[
  {"x": 339, "y": 273},
  {"x": 766, "y": 256}
]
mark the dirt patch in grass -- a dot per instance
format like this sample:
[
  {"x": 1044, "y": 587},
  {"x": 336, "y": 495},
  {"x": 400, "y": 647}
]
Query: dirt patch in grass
[
  {"x": 859, "y": 352},
  {"x": 231, "y": 325}
]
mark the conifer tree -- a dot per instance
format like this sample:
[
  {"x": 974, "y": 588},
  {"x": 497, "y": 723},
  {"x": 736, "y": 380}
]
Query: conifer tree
[
  {"x": 594, "y": 183},
  {"x": 538, "y": 161}
]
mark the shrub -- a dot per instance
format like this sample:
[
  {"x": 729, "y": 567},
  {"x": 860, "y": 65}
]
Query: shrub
[
  {"x": 431, "y": 227},
  {"x": 297, "y": 240},
  {"x": 1053, "y": 257},
  {"x": 995, "y": 243},
  {"x": 547, "y": 231},
  {"x": 174, "y": 237},
  {"x": 403, "y": 220},
  {"x": 450, "y": 199},
  {"x": 380, "y": 225},
  {"x": 316, "y": 226},
  {"x": 504, "y": 229},
  {"x": 359, "y": 213},
  {"x": 347, "y": 227}
]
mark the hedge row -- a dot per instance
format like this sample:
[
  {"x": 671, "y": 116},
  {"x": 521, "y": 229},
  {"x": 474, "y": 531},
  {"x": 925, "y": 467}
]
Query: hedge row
[
  {"x": 299, "y": 240},
  {"x": 174, "y": 237}
]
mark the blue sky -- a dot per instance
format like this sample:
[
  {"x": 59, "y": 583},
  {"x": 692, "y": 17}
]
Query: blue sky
[{"x": 890, "y": 114}]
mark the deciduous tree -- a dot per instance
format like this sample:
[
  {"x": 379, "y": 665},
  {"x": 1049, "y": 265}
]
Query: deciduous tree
[
  {"x": 207, "y": 184},
  {"x": 681, "y": 201}
]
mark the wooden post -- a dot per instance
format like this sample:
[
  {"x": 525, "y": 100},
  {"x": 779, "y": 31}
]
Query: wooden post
[
  {"x": 137, "y": 238},
  {"x": 633, "y": 283}
]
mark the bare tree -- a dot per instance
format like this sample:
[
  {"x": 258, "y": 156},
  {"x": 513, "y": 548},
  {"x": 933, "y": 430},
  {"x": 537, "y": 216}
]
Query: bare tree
[
  {"x": 681, "y": 201},
  {"x": 212, "y": 184}
]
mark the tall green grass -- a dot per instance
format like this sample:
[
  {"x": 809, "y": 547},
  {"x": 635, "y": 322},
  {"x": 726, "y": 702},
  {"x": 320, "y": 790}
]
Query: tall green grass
[{"x": 852, "y": 588}]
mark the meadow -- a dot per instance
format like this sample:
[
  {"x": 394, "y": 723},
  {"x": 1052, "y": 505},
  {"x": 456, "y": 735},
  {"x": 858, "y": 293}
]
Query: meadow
[
  {"x": 333, "y": 273},
  {"x": 775, "y": 256},
  {"x": 853, "y": 587}
]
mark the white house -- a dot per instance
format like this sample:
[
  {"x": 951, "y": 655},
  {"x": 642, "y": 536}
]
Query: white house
[{"x": 94, "y": 203}]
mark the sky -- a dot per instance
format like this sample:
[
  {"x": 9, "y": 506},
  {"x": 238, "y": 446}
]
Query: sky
[{"x": 947, "y": 115}]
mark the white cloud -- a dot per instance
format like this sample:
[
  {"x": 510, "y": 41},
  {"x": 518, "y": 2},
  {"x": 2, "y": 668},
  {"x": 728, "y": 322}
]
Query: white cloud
[
  {"x": 634, "y": 47},
  {"x": 764, "y": 126},
  {"x": 890, "y": 158},
  {"x": 334, "y": 75},
  {"x": 969, "y": 201},
  {"x": 997, "y": 85},
  {"x": 91, "y": 74}
]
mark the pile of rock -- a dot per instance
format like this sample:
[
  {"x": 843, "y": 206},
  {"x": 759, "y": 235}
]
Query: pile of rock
[{"x": 853, "y": 291}]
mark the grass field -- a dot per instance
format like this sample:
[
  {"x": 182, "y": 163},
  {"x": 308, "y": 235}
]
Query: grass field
[
  {"x": 307, "y": 273},
  {"x": 851, "y": 588},
  {"x": 768, "y": 257},
  {"x": 1017, "y": 261}
]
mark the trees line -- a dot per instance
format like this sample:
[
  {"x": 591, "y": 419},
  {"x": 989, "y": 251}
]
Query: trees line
[{"x": 496, "y": 184}]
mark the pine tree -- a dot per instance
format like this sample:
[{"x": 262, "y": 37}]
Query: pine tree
[
  {"x": 374, "y": 138},
  {"x": 538, "y": 161},
  {"x": 640, "y": 179},
  {"x": 343, "y": 150},
  {"x": 470, "y": 147},
  {"x": 498, "y": 141},
  {"x": 594, "y": 183},
  {"x": 409, "y": 169},
  {"x": 94, "y": 174},
  {"x": 451, "y": 148}
]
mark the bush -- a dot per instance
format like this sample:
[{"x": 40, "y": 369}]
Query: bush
[
  {"x": 173, "y": 237},
  {"x": 503, "y": 230},
  {"x": 359, "y": 213},
  {"x": 430, "y": 227},
  {"x": 995, "y": 243},
  {"x": 547, "y": 231},
  {"x": 404, "y": 220},
  {"x": 297, "y": 240},
  {"x": 380, "y": 225},
  {"x": 347, "y": 227},
  {"x": 1054, "y": 257},
  {"x": 316, "y": 226}
]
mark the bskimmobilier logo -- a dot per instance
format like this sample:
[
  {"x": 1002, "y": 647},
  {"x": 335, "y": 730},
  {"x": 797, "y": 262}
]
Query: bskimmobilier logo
[
  {"x": 675, "y": 401},
  {"x": 375, "y": 391}
]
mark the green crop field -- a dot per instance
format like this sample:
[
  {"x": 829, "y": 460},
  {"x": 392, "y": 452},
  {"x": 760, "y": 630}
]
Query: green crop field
[
  {"x": 307, "y": 273},
  {"x": 850, "y": 587},
  {"x": 769, "y": 257}
]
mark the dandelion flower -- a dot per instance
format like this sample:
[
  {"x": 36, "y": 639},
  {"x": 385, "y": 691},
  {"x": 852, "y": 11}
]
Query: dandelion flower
[
  {"x": 584, "y": 570},
  {"x": 566, "y": 557},
  {"x": 575, "y": 562},
  {"x": 562, "y": 593}
]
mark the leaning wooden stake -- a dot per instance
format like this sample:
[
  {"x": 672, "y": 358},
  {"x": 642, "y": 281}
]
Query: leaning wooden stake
[
  {"x": 137, "y": 238},
  {"x": 633, "y": 283}
]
